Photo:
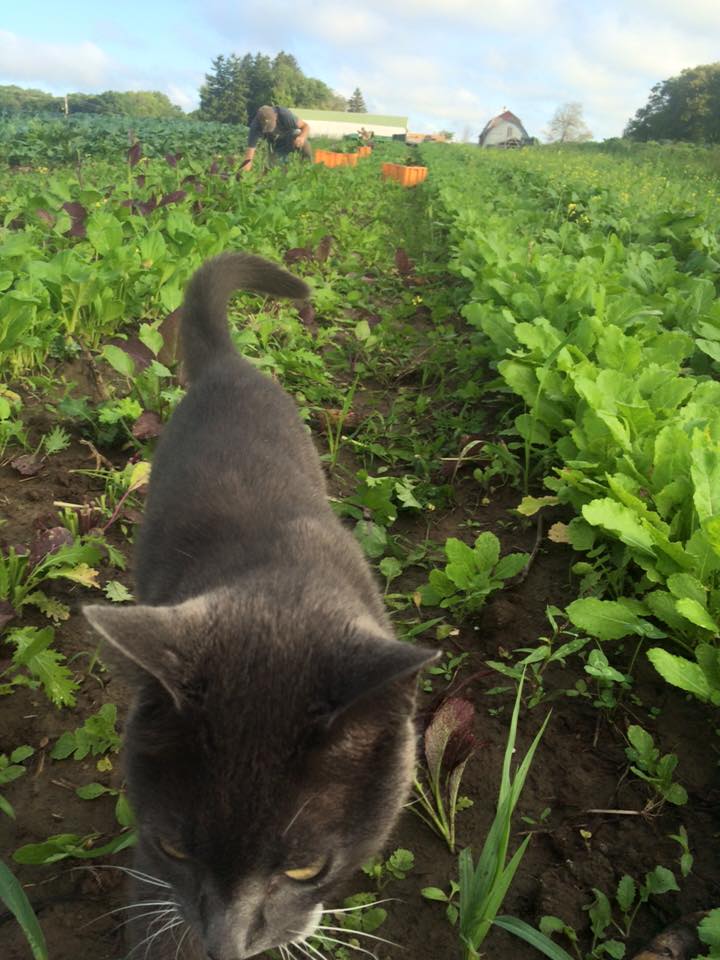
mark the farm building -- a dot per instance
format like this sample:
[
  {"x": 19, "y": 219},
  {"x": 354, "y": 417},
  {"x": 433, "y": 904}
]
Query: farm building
[
  {"x": 505, "y": 130},
  {"x": 334, "y": 123}
]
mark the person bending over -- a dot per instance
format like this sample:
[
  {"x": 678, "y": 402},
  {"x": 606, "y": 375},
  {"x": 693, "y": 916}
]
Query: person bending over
[{"x": 283, "y": 132}]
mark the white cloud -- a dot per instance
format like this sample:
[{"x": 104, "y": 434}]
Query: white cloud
[
  {"x": 62, "y": 66},
  {"x": 186, "y": 99}
]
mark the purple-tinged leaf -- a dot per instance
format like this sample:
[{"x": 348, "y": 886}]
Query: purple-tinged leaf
[
  {"x": 27, "y": 465},
  {"x": 323, "y": 249},
  {"x": 307, "y": 316},
  {"x": 403, "y": 262},
  {"x": 49, "y": 541},
  {"x": 298, "y": 254},
  {"x": 147, "y": 206},
  {"x": 175, "y": 197},
  {"x": 173, "y": 158},
  {"x": 448, "y": 739},
  {"x": 134, "y": 154},
  {"x": 45, "y": 216},
  {"x": 140, "y": 180},
  {"x": 214, "y": 167},
  {"x": 78, "y": 216},
  {"x": 147, "y": 426}
]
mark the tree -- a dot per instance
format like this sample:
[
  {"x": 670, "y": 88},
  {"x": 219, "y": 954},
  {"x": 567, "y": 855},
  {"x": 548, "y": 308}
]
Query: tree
[
  {"x": 236, "y": 87},
  {"x": 686, "y": 107},
  {"x": 568, "y": 125},
  {"x": 356, "y": 103},
  {"x": 223, "y": 96},
  {"x": 446, "y": 134}
]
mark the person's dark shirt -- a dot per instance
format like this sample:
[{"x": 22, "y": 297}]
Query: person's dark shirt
[{"x": 283, "y": 134}]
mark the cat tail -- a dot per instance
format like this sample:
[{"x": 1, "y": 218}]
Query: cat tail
[{"x": 204, "y": 333}]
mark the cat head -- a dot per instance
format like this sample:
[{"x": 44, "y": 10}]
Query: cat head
[{"x": 269, "y": 752}]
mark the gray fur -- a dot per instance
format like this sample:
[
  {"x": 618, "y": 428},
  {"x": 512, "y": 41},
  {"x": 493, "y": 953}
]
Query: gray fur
[{"x": 271, "y": 724}]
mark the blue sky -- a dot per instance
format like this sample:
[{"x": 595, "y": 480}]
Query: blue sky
[{"x": 451, "y": 64}]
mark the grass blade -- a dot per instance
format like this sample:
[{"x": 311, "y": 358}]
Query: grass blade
[
  {"x": 15, "y": 899},
  {"x": 532, "y": 936}
]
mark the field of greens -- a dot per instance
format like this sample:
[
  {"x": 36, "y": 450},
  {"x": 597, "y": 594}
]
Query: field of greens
[{"x": 511, "y": 371}]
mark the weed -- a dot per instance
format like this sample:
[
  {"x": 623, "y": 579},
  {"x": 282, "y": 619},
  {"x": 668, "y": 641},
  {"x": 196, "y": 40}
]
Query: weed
[
  {"x": 449, "y": 743},
  {"x": 647, "y": 764},
  {"x": 10, "y": 769},
  {"x": 396, "y": 867}
]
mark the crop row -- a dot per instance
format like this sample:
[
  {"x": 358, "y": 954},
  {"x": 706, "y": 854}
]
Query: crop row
[{"x": 594, "y": 295}]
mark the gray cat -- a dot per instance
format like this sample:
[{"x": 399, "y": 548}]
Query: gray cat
[{"x": 270, "y": 743}]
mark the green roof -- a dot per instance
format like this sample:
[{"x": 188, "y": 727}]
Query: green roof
[{"x": 344, "y": 116}]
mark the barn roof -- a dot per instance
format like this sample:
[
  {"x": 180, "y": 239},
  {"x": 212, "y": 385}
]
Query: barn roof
[{"x": 505, "y": 117}]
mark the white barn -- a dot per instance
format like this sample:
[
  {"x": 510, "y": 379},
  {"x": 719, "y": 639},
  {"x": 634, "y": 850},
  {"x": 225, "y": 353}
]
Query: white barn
[
  {"x": 336, "y": 123},
  {"x": 505, "y": 130}
]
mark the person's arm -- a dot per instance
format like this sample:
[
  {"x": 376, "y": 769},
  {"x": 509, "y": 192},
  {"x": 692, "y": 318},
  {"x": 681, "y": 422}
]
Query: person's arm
[
  {"x": 303, "y": 135},
  {"x": 248, "y": 161},
  {"x": 254, "y": 135}
]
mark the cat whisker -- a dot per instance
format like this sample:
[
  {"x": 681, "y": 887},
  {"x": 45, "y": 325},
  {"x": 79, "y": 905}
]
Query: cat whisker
[
  {"x": 314, "y": 951},
  {"x": 187, "y": 931},
  {"x": 131, "y": 872},
  {"x": 300, "y": 810},
  {"x": 174, "y": 921},
  {"x": 360, "y": 933},
  {"x": 130, "y": 906},
  {"x": 157, "y": 914},
  {"x": 344, "y": 943},
  {"x": 363, "y": 906}
]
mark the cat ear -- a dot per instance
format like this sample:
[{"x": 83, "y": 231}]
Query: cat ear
[
  {"x": 386, "y": 668},
  {"x": 148, "y": 637}
]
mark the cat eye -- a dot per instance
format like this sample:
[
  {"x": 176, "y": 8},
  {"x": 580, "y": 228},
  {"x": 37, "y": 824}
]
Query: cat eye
[
  {"x": 311, "y": 872},
  {"x": 169, "y": 850}
]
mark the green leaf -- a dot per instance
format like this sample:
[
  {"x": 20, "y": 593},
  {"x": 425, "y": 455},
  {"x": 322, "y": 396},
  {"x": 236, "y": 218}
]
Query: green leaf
[
  {"x": 510, "y": 565},
  {"x": 117, "y": 592},
  {"x": 529, "y": 506},
  {"x": 151, "y": 337},
  {"x": 626, "y": 893},
  {"x": 372, "y": 537},
  {"x": 705, "y": 473},
  {"x": 620, "y": 520},
  {"x": 534, "y": 937},
  {"x": 709, "y": 929},
  {"x": 606, "y": 619},
  {"x": 91, "y": 791},
  {"x": 119, "y": 360},
  {"x": 104, "y": 231},
  {"x": 660, "y": 880},
  {"x": 600, "y": 913},
  {"x": 681, "y": 673},
  {"x": 434, "y": 893},
  {"x": 15, "y": 899},
  {"x": 696, "y": 613}
]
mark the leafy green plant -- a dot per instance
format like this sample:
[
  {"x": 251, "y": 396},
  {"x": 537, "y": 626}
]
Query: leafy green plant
[
  {"x": 471, "y": 575},
  {"x": 709, "y": 934},
  {"x": 449, "y": 899},
  {"x": 686, "y": 858},
  {"x": 34, "y": 663},
  {"x": 51, "y": 558},
  {"x": 397, "y": 866},
  {"x": 63, "y": 846},
  {"x": 15, "y": 899},
  {"x": 616, "y": 915},
  {"x": 658, "y": 771},
  {"x": 448, "y": 745},
  {"x": 10, "y": 769},
  {"x": 96, "y": 736}
]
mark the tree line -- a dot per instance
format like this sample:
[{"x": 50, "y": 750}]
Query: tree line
[
  {"x": 236, "y": 86},
  {"x": 686, "y": 107},
  {"x": 136, "y": 103}
]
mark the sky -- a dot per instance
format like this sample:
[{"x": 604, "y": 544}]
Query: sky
[{"x": 445, "y": 64}]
